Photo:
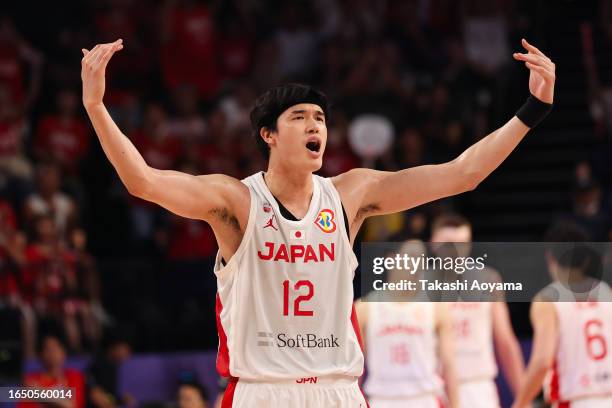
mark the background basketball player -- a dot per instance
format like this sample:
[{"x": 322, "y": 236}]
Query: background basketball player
[
  {"x": 572, "y": 323},
  {"x": 407, "y": 342},
  {"x": 480, "y": 330},
  {"x": 285, "y": 317}
]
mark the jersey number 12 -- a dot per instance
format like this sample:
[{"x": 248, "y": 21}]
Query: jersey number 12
[{"x": 299, "y": 299}]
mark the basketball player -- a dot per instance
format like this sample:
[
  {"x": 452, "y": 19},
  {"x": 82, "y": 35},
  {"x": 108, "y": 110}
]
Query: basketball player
[
  {"x": 481, "y": 329},
  {"x": 406, "y": 341},
  {"x": 572, "y": 324},
  {"x": 287, "y": 330}
]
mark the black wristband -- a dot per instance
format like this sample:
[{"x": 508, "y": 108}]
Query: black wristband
[{"x": 533, "y": 111}]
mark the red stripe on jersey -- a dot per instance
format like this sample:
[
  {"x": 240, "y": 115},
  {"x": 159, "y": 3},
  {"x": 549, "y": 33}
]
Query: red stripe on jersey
[
  {"x": 228, "y": 396},
  {"x": 355, "y": 324},
  {"x": 554, "y": 384},
  {"x": 563, "y": 405},
  {"x": 223, "y": 358}
]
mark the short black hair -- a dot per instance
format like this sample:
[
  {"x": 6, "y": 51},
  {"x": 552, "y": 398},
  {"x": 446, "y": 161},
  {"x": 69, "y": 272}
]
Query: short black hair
[
  {"x": 114, "y": 336},
  {"x": 449, "y": 220},
  {"x": 52, "y": 335},
  {"x": 269, "y": 106},
  {"x": 567, "y": 243},
  {"x": 196, "y": 386}
]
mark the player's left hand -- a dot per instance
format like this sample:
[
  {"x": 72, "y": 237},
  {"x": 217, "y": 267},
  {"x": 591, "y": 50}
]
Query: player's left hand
[{"x": 541, "y": 72}]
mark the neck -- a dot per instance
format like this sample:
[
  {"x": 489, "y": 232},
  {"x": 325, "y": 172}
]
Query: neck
[
  {"x": 289, "y": 185},
  {"x": 573, "y": 276}
]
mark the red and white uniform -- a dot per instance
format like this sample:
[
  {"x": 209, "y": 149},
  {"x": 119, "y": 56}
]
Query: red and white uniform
[
  {"x": 475, "y": 356},
  {"x": 287, "y": 326},
  {"x": 582, "y": 372},
  {"x": 401, "y": 355}
]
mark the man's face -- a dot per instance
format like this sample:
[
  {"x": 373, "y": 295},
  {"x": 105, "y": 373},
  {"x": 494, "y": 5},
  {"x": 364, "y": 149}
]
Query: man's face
[
  {"x": 301, "y": 136},
  {"x": 49, "y": 180},
  {"x": 53, "y": 354},
  {"x": 462, "y": 235}
]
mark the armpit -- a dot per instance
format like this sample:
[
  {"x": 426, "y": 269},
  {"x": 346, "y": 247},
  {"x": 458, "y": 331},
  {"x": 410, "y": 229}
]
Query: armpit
[
  {"x": 366, "y": 210},
  {"x": 223, "y": 215}
]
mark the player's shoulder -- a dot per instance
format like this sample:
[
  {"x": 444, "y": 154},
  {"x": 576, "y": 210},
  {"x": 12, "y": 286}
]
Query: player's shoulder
[
  {"x": 354, "y": 185},
  {"x": 356, "y": 177},
  {"x": 238, "y": 189},
  {"x": 542, "y": 307}
]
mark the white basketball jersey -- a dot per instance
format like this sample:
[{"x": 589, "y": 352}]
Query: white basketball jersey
[
  {"x": 401, "y": 346},
  {"x": 285, "y": 299},
  {"x": 583, "y": 363},
  {"x": 473, "y": 329}
]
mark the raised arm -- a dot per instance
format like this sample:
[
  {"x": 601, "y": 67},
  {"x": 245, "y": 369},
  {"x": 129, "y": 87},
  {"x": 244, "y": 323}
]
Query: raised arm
[
  {"x": 375, "y": 192},
  {"x": 208, "y": 197}
]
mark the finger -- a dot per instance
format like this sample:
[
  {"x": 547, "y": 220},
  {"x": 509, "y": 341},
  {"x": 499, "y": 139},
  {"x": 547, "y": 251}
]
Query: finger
[
  {"x": 107, "y": 56},
  {"x": 92, "y": 54},
  {"x": 93, "y": 59},
  {"x": 104, "y": 47},
  {"x": 100, "y": 59},
  {"x": 103, "y": 50},
  {"x": 532, "y": 48},
  {"x": 534, "y": 59},
  {"x": 547, "y": 74}
]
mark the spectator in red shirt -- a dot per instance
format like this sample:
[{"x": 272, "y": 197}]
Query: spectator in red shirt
[
  {"x": 188, "y": 239},
  {"x": 12, "y": 131},
  {"x": 14, "y": 51},
  {"x": 53, "y": 279},
  {"x": 189, "y": 45},
  {"x": 158, "y": 146},
  {"x": 49, "y": 200},
  {"x": 64, "y": 136},
  {"x": 236, "y": 41},
  {"x": 188, "y": 123},
  {"x": 161, "y": 150},
  {"x": 11, "y": 251},
  {"x": 9, "y": 255},
  {"x": 55, "y": 374},
  {"x": 338, "y": 155},
  {"x": 12, "y": 258}
]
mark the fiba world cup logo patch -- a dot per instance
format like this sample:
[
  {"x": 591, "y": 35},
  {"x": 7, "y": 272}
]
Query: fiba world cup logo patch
[{"x": 325, "y": 221}]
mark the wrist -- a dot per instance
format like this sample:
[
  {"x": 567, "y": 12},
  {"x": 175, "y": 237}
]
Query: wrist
[
  {"x": 533, "y": 111},
  {"x": 92, "y": 105}
]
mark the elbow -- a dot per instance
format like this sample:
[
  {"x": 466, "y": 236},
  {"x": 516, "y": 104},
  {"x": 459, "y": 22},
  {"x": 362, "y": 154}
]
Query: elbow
[
  {"x": 469, "y": 181},
  {"x": 139, "y": 190},
  {"x": 140, "y": 187},
  {"x": 468, "y": 177}
]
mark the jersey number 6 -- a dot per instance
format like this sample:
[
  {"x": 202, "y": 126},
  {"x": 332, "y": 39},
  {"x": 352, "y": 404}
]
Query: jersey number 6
[{"x": 596, "y": 342}]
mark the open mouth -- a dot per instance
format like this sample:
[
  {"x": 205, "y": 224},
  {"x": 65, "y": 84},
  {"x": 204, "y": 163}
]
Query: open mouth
[{"x": 313, "y": 146}]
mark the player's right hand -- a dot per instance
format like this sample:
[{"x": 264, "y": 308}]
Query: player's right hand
[{"x": 93, "y": 68}]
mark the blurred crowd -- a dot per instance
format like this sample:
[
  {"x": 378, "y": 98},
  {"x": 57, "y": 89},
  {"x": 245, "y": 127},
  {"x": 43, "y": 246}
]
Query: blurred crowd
[{"x": 181, "y": 90}]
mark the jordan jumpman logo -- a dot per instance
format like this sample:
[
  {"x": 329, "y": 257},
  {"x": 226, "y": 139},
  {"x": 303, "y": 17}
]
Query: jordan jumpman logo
[{"x": 270, "y": 223}]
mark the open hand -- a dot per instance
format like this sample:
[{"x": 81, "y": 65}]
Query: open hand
[
  {"x": 541, "y": 72},
  {"x": 93, "y": 68}
]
